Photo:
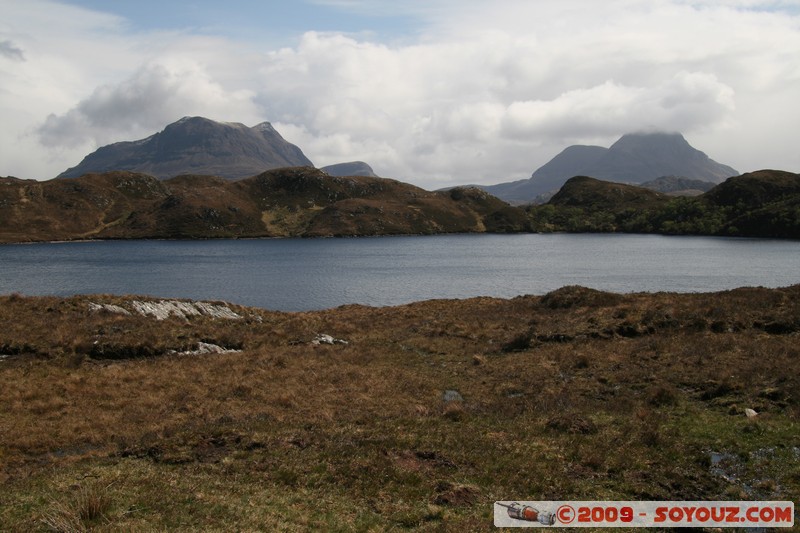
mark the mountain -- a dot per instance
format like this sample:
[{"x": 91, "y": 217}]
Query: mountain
[
  {"x": 197, "y": 145},
  {"x": 634, "y": 158},
  {"x": 287, "y": 202},
  {"x": 353, "y": 168},
  {"x": 573, "y": 161}
]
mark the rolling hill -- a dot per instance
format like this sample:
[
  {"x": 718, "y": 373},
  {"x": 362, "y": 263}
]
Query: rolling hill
[
  {"x": 288, "y": 202},
  {"x": 758, "y": 204}
]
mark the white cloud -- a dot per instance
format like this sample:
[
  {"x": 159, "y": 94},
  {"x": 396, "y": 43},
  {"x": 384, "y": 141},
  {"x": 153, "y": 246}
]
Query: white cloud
[
  {"x": 156, "y": 93},
  {"x": 486, "y": 91}
]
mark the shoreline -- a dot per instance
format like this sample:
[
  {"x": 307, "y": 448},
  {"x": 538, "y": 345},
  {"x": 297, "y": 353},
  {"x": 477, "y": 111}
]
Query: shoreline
[{"x": 368, "y": 236}]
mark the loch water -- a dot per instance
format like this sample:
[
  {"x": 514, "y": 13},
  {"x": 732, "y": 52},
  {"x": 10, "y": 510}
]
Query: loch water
[{"x": 307, "y": 274}]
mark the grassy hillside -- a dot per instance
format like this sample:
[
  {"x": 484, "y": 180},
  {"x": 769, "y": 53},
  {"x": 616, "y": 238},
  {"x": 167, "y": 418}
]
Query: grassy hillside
[
  {"x": 287, "y": 202},
  {"x": 118, "y": 417},
  {"x": 759, "y": 204}
]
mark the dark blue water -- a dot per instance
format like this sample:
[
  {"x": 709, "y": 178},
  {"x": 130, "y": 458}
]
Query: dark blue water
[{"x": 304, "y": 274}]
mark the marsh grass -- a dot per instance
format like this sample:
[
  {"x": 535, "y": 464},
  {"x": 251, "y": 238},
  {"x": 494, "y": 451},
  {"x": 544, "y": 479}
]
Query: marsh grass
[
  {"x": 84, "y": 507},
  {"x": 610, "y": 397}
]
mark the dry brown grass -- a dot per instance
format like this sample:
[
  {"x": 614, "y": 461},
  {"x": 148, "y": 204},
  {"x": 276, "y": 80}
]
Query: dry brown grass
[{"x": 239, "y": 439}]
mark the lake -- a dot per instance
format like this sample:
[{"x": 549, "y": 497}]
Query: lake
[{"x": 307, "y": 274}]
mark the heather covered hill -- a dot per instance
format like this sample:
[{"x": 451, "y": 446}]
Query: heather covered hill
[
  {"x": 353, "y": 168},
  {"x": 759, "y": 204},
  {"x": 591, "y": 193},
  {"x": 677, "y": 186},
  {"x": 197, "y": 145},
  {"x": 307, "y": 202},
  {"x": 289, "y": 202}
]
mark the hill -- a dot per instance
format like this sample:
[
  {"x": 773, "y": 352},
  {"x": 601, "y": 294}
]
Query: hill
[
  {"x": 353, "y": 168},
  {"x": 634, "y": 158},
  {"x": 595, "y": 194},
  {"x": 289, "y": 202},
  {"x": 677, "y": 186},
  {"x": 125, "y": 413},
  {"x": 758, "y": 204},
  {"x": 197, "y": 145}
]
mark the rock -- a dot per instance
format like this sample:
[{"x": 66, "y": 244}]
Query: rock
[
  {"x": 750, "y": 413},
  {"x": 323, "y": 338},
  {"x": 216, "y": 311},
  {"x": 452, "y": 396},
  {"x": 108, "y": 308},
  {"x": 204, "y": 348},
  {"x": 164, "y": 308}
]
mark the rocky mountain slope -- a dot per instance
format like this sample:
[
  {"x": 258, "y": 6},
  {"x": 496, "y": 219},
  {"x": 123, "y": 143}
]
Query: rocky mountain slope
[
  {"x": 288, "y": 202},
  {"x": 197, "y": 145},
  {"x": 634, "y": 158}
]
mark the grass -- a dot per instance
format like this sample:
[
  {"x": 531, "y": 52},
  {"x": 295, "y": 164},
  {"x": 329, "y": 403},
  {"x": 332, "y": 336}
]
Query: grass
[{"x": 575, "y": 395}]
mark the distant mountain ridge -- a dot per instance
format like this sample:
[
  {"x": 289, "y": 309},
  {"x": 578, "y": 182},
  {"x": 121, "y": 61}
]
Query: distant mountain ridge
[
  {"x": 634, "y": 158},
  {"x": 197, "y": 145}
]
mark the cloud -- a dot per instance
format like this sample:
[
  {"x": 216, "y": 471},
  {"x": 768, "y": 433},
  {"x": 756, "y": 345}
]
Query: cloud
[
  {"x": 687, "y": 102},
  {"x": 153, "y": 96},
  {"x": 497, "y": 90},
  {"x": 480, "y": 92},
  {"x": 11, "y": 51},
  {"x": 459, "y": 105}
]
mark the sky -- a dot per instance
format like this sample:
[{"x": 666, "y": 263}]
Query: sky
[{"x": 432, "y": 92}]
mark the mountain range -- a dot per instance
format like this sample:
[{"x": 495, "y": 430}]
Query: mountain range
[
  {"x": 634, "y": 158},
  {"x": 200, "y": 146}
]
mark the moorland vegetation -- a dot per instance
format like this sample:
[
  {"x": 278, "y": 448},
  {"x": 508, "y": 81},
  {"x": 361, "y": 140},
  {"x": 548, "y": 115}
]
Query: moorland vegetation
[{"x": 415, "y": 417}]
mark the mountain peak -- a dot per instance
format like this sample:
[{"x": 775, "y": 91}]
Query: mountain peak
[
  {"x": 197, "y": 145},
  {"x": 649, "y": 137},
  {"x": 634, "y": 158},
  {"x": 264, "y": 127}
]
